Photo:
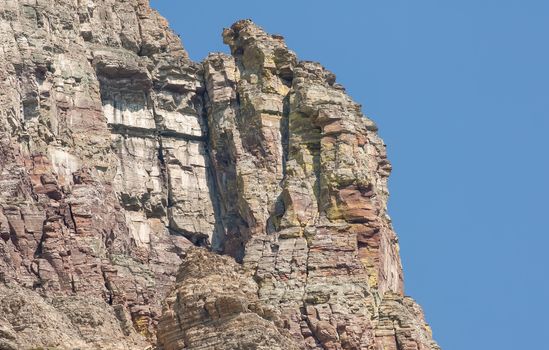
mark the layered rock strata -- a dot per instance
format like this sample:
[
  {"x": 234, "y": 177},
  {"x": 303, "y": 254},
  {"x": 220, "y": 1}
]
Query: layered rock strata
[
  {"x": 104, "y": 172},
  {"x": 308, "y": 177},
  {"x": 118, "y": 155}
]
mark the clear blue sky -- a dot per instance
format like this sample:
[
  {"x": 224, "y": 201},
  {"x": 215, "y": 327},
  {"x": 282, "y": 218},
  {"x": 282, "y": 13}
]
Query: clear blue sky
[{"x": 460, "y": 91}]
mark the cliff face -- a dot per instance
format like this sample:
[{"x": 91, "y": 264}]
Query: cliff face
[{"x": 121, "y": 159}]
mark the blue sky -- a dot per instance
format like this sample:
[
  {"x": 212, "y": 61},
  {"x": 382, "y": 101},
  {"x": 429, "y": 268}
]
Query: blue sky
[{"x": 460, "y": 91}]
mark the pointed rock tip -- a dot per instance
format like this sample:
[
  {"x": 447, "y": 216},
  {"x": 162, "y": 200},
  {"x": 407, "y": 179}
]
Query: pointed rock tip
[
  {"x": 245, "y": 24},
  {"x": 248, "y": 28}
]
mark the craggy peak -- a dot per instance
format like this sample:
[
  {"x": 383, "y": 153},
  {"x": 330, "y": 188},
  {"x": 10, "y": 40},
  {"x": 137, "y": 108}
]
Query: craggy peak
[{"x": 152, "y": 202}]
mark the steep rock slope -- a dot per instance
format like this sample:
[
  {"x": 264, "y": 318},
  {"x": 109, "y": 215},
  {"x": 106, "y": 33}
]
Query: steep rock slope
[
  {"x": 303, "y": 179},
  {"x": 103, "y": 170},
  {"x": 118, "y": 155}
]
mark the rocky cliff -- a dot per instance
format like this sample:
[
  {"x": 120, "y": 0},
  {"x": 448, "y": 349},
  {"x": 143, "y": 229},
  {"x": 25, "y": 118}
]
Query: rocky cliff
[{"x": 150, "y": 201}]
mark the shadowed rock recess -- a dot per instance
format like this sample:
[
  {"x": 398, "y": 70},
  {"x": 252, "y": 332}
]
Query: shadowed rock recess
[{"x": 148, "y": 201}]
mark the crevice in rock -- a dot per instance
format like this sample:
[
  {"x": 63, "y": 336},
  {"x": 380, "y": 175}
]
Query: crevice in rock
[
  {"x": 40, "y": 246},
  {"x": 108, "y": 286},
  {"x": 160, "y": 155},
  {"x": 199, "y": 240},
  {"x": 285, "y": 132},
  {"x": 225, "y": 183},
  {"x": 218, "y": 236},
  {"x": 73, "y": 284},
  {"x": 72, "y": 218},
  {"x": 399, "y": 346},
  {"x": 304, "y": 303}
]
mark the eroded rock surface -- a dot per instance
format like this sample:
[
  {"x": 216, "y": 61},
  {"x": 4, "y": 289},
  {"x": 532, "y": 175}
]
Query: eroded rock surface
[
  {"x": 104, "y": 174},
  {"x": 221, "y": 309},
  {"x": 118, "y": 155}
]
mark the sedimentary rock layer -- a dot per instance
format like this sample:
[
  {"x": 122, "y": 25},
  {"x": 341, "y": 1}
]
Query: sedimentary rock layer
[{"x": 120, "y": 159}]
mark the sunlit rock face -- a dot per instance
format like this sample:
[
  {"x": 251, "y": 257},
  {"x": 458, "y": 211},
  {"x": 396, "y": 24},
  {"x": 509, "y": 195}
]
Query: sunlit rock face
[{"x": 121, "y": 159}]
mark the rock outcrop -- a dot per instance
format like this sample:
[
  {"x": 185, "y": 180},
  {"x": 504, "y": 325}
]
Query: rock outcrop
[{"x": 121, "y": 159}]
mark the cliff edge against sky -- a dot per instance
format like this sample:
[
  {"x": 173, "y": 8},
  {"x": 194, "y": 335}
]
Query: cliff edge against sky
[{"x": 151, "y": 201}]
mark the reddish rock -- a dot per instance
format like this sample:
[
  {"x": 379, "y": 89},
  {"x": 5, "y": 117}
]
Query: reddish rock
[{"x": 118, "y": 155}]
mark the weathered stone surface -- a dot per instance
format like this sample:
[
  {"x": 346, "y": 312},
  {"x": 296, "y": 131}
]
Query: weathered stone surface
[
  {"x": 104, "y": 174},
  {"x": 248, "y": 130},
  {"x": 401, "y": 325},
  {"x": 310, "y": 182},
  {"x": 118, "y": 154},
  {"x": 215, "y": 306},
  {"x": 28, "y": 320}
]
